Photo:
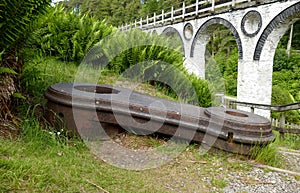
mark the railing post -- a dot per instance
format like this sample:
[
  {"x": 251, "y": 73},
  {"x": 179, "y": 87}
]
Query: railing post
[
  {"x": 141, "y": 23},
  {"x": 183, "y": 10},
  {"x": 282, "y": 125},
  {"x": 213, "y": 5},
  {"x": 135, "y": 23},
  {"x": 154, "y": 21},
  {"x": 147, "y": 20},
  {"x": 172, "y": 13},
  {"x": 233, "y": 3},
  {"x": 162, "y": 16},
  {"x": 197, "y": 7}
]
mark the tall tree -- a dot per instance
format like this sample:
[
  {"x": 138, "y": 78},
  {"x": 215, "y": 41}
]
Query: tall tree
[{"x": 115, "y": 12}]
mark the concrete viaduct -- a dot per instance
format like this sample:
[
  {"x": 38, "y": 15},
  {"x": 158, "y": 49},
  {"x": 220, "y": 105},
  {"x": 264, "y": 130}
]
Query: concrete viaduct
[{"x": 256, "y": 25}]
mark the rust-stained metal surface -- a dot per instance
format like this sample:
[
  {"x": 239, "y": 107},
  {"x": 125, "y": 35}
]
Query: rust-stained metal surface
[{"x": 84, "y": 107}]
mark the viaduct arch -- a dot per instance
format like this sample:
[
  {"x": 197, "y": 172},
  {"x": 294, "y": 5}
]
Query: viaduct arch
[{"x": 257, "y": 27}]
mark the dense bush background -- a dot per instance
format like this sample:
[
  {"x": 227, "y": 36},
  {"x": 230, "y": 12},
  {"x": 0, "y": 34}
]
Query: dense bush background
[{"x": 67, "y": 35}]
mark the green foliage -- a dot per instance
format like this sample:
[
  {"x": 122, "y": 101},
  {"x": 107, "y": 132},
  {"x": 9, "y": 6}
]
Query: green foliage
[
  {"x": 281, "y": 96},
  {"x": 291, "y": 140},
  {"x": 136, "y": 46},
  {"x": 39, "y": 161},
  {"x": 66, "y": 35},
  {"x": 19, "y": 96},
  {"x": 7, "y": 71},
  {"x": 144, "y": 57},
  {"x": 15, "y": 19},
  {"x": 267, "y": 155},
  {"x": 282, "y": 61},
  {"x": 219, "y": 183},
  {"x": 222, "y": 41},
  {"x": 39, "y": 73},
  {"x": 113, "y": 11},
  {"x": 288, "y": 80},
  {"x": 296, "y": 36},
  {"x": 203, "y": 91},
  {"x": 117, "y": 12},
  {"x": 228, "y": 66}
]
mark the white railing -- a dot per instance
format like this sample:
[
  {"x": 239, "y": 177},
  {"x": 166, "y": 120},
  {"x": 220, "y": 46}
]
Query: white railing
[
  {"x": 198, "y": 9},
  {"x": 283, "y": 126},
  {"x": 278, "y": 123},
  {"x": 225, "y": 101}
]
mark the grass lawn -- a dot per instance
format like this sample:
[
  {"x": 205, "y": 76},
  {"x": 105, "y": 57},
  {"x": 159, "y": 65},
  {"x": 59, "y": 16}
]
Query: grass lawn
[{"x": 41, "y": 162}]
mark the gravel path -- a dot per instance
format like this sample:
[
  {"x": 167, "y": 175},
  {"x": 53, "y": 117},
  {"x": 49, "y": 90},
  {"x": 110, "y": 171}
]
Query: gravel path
[
  {"x": 262, "y": 181},
  {"x": 259, "y": 181},
  {"x": 291, "y": 158}
]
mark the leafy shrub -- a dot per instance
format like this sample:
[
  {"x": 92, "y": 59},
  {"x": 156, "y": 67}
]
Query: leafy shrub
[
  {"x": 281, "y": 96},
  {"x": 282, "y": 61},
  {"x": 204, "y": 93},
  {"x": 228, "y": 65},
  {"x": 147, "y": 58},
  {"x": 288, "y": 80},
  {"x": 66, "y": 35}
]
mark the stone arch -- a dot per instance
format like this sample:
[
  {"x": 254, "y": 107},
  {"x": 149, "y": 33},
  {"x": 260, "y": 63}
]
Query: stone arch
[
  {"x": 172, "y": 32},
  {"x": 280, "y": 24},
  {"x": 205, "y": 29}
]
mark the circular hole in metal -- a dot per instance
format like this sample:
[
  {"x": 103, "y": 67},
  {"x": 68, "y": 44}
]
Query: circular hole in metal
[
  {"x": 236, "y": 114},
  {"x": 98, "y": 89},
  {"x": 61, "y": 115}
]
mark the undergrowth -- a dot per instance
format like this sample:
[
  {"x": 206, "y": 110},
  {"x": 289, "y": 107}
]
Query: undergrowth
[
  {"x": 289, "y": 140},
  {"x": 267, "y": 155}
]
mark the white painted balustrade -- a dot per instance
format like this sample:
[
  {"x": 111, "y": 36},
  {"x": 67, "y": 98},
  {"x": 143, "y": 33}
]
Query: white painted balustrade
[{"x": 197, "y": 9}]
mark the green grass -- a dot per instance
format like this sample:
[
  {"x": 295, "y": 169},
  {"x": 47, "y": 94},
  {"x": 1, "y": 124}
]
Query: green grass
[
  {"x": 291, "y": 141},
  {"x": 55, "y": 167},
  {"x": 39, "y": 73},
  {"x": 267, "y": 155},
  {"x": 220, "y": 183},
  {"x": 40, "y": 161}
]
